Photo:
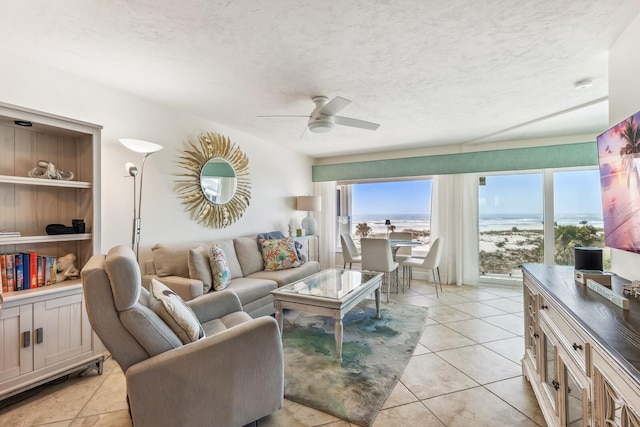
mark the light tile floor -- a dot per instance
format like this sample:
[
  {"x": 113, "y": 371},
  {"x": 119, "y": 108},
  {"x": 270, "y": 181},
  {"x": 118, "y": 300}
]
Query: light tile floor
[{"x": 465, "y": 371}]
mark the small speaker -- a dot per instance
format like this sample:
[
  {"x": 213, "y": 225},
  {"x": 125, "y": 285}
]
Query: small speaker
[{"x": 588, "y": 258}]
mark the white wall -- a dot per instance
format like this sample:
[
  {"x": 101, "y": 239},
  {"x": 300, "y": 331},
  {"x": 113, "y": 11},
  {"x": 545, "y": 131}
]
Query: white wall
[
  {"x": 624, "y": 100},
  {"x": 277, "y": 175}
]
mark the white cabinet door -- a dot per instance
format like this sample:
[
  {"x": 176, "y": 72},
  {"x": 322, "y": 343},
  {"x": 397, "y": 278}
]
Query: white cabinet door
[
  {"x": 16, "y": 359},
  {"x": 58, "y": 326}
]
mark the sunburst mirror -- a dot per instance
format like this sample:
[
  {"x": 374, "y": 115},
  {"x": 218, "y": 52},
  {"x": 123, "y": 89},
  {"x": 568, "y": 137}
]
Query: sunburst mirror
[{"x": 215, "y": 188}]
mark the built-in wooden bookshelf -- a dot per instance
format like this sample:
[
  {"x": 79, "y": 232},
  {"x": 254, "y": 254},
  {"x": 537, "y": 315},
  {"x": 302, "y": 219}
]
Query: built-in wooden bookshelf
[{"x": 46, "y": 329}]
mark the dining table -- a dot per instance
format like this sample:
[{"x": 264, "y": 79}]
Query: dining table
[{"x": 397, "y": 244}]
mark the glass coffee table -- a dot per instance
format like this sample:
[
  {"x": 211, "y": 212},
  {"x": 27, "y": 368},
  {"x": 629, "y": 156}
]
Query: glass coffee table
[{"x": 331, "y": 292}]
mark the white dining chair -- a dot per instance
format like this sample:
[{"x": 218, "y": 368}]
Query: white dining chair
[
  {"x": 430, "y": 262},
  {"x": 350, "y": 253},
  {"x": 376, "y": 256},
  {"x": 403, "y": 253}
]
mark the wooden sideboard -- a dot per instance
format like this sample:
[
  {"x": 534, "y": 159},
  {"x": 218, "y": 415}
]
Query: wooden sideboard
[{"x": 582, "y": 352}]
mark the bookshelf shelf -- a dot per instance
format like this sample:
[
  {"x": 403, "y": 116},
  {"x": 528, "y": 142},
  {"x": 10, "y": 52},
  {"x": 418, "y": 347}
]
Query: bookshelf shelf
[
  {"x": 22, "y": 240},
  {"x": 25, "y": 180}
]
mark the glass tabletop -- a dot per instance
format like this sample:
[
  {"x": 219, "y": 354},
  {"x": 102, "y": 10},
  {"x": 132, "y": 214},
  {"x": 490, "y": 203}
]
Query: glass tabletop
[
  {"x": 332, "y": 283},
  {"x": 399, "y": 243}
]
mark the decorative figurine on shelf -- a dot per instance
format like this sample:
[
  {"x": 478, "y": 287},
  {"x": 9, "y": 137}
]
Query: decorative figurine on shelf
[
  {"x": 66, "y": 268},
  {"x": 292, "y": 228},
  {"x": 47, "y": 170}
]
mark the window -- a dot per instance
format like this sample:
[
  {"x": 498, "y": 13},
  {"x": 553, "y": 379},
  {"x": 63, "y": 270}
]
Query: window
[
  {"x": 510, "y": 223},
  {"x": 519, "y": 213},
  {"x": 577, "y": 214},
  {"x": 364, "y": 208}
]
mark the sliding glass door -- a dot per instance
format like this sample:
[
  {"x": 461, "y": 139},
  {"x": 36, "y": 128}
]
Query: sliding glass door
[
  {"x": 577, "y": 219},
  {"x": 510, "y": 223},
  {"x": 537, "y": 218}
]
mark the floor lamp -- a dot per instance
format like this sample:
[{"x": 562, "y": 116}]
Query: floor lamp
[{"x": 146, "y": 148}]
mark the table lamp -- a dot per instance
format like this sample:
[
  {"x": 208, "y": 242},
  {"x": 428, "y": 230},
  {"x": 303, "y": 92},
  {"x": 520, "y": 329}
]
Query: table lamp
[{"x": 309, "y": 204}]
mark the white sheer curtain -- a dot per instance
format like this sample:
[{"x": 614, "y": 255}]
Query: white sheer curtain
[
  {"x": 327, "y": 222},
  {"x": 454, "y": 218}
]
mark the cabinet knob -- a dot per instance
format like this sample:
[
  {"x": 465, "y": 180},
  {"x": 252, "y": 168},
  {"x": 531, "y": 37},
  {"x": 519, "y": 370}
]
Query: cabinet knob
[
  {"x": 536, "y": 335},
  {"x": 555, "y": 384},
  {"x": 544, "y": 306},
  {"x": 39, "y": 336},
  {"x": 576, "y": 346},
  {"x": 26, "y": 339}
]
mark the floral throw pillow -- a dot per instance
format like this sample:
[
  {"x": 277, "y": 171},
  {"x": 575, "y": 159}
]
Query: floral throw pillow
[
  {"x": 279, "y": 254},
  {"x": 176, "y": 314},
  {"x": 220, "y": 272}
]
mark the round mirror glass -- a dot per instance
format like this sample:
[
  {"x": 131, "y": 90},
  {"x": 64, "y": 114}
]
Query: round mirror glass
[{"x": 218, "y": 181}]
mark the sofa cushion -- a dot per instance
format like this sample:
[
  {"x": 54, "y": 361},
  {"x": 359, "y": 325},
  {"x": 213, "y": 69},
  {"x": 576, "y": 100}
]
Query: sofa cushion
[
  {"x": 284, "y": 277},
  {"x": 173, "y": 260},
  {"x": 279, "y": 254},
  {"x": 221, "y": 276},
  {"x": 175, "y": 313},
  {"x": 229, "y": 249},
  {"x": 216, "y": 326},
  {"x": 249, "y": 290},
  {"x": 199, "y": 267},
  {"x": 249, "y": 256}
]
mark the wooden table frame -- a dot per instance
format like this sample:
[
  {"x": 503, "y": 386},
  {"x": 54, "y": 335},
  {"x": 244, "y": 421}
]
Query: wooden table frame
[{"x": 334, "y": 307}]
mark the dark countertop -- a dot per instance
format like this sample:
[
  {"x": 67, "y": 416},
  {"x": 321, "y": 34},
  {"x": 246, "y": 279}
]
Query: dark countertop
[{"x": 614, "y": 329}]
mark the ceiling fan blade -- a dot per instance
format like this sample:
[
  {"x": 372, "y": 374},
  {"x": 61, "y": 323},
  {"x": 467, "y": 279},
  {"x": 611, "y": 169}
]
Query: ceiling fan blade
[
  {"x": 283, "y": 116},
  {"x": 303, "y": 132},
  {"x": 362, "y": 124},
  {"x": 334, "y": 106}
]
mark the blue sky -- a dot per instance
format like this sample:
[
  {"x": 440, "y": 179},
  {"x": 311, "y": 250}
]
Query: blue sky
[
  {"x": 411, "y": 197},
  {"x": 575, "y": 192}
]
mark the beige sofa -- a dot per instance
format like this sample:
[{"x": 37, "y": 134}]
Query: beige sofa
[{"x": 187, "y": 275}]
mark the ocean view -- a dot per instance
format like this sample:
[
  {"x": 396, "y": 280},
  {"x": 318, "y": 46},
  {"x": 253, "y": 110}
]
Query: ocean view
[
  {"x": 505, "y": 240},
  {"x": 491, "y": 222}
]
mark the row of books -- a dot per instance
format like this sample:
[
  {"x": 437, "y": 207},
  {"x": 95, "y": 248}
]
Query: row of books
[{"x": 20, "y": 271}]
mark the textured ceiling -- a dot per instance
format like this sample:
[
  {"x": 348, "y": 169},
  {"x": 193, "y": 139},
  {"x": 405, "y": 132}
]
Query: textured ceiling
[{"x": 431, "y": 72}]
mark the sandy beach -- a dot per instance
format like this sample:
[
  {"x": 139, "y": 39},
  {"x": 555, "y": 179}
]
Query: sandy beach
[{"x": 504, "y": 243}]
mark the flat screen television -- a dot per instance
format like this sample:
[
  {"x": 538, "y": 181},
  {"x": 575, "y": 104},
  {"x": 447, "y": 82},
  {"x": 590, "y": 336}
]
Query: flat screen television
[{"x": 619, "y": 158}]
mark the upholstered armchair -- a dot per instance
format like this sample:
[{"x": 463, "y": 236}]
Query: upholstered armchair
[{"x": 232, "y": 376}]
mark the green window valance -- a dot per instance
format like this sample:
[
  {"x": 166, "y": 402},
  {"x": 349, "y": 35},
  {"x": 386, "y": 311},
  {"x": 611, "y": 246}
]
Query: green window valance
[{"x": 550, "y": 156}]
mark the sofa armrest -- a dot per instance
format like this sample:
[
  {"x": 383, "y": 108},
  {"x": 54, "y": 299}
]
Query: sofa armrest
[
  {"x": 215, "y": 305},
  {"x": 229, "y": 379},
  {"x": 188, "y": 289}
]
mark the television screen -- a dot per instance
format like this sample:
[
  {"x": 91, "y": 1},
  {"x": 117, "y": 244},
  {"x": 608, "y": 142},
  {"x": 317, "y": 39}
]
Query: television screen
[{"x": 619, "y": 158}]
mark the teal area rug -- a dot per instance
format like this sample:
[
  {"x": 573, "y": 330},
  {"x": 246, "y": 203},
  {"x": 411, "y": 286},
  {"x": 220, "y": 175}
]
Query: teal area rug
[{"x": 374, "y": 355}]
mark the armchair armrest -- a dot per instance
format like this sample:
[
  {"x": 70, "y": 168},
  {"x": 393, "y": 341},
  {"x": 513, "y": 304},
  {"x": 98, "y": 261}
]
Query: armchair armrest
[
  {"x": 215, "y": 305},
  {"x": 187, "y": 288},
  {"x": 229, "y": 379}
]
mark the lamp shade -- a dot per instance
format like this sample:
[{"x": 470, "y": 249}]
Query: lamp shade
[
  {"x": 140, "y": 146},
  {"x": 308, "y": 203}
]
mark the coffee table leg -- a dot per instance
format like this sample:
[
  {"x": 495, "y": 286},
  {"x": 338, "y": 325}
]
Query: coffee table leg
[
  {"x": 377, "y": 293},
  {"x": 278, "y": 307},
  {"x": 338, "y": 333}
]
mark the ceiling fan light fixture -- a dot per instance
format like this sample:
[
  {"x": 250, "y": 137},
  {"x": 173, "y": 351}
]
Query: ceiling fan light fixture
[{"x": 320, "y": 126}]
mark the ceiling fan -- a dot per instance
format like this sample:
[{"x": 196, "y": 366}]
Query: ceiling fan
[{"x": 323, "y": 118}]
